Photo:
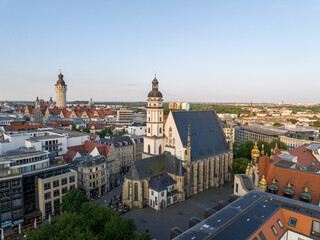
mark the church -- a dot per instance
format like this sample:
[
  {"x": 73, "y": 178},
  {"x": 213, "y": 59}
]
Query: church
[{"x": 185, "y": 156}]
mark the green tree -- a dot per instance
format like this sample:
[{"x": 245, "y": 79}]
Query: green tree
[
  {"x": 90, "y": 221},
  {"x": 86, "y": 130},
  {"x": 72, "y": 201},
  {"x": 280, "y": 144},
  {"x": 316, "y": 123},
  {"x": 122, "y": 132},
  {"x": 277, "y": 124},
  {"x": 239, "y": 165},
  {"x": 293, "y": 121}
]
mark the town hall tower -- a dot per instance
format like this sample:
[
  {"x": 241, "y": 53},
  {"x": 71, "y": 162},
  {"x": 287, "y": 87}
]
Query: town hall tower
[{"x": 61, "y": 92}]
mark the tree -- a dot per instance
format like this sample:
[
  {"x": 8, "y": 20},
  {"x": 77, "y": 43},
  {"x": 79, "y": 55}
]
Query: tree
[
  {"x": 72, "y": 201},
  {"x": 244, "y": 150},
  {"x": 316, "y": 123},
  {"x": 280, "y": 144},
  {"x": 277, "y": 124},
  {"x": 74, "y": 128},
  {"x": 86, "y": 130},
  {"x": 293, "y": 121},
  {"x": 239, "y": 165},
  {"x": 90, "y": 221}
]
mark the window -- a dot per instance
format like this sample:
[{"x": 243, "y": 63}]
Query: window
[
  {"x": 56, "y": 193},
  {"x": 71, "y": 179},
  {"x": 292, "y": 222},
  {"x": 175, "y": 198},
  {"x": 72, "y": 186},
  {"x": 162, "y": 193},
  {"x": 136, "y": 192},
  {"x": 148, "y": 148},
  {"x": 160, "y": 130},
  {"x": 152, "y": 193},
  {"x": 274, "y": 230},
  {"x": 64, "y": 190},
  {"x": 5, "y": 216},
  {"x": 280, "y": 224},
  {"x": 55, "y": 183},
  {"x": 48, "y": 207},
  {"x": 261, "y": 235},
  {"x": 64, "y": 181},
  {"x": 315, "y": 228},
  {"x": 47, "y": 195},
  {"x": 47, "y": 186},
  {"x": 148, "y": 130},
  {"x": 237, "y": 187},
  {"x": 160, "y": 149}
]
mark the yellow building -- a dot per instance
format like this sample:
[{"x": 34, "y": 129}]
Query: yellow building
[{"x": 52, "y": 189}]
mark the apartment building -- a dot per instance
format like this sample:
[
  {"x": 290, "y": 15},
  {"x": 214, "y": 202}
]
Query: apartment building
[{"x": 52, "y": 189}]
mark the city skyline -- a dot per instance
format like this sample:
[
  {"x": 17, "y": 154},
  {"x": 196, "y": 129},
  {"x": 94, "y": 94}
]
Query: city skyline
[{"x": 201, "y": 52}]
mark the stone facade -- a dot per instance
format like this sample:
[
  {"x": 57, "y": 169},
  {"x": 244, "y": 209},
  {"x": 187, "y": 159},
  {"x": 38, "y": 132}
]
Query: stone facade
[
  {"x": 61, "y": 92},
  {"x": 191, "y": 148},
  {"x": 52, "y": 189}
]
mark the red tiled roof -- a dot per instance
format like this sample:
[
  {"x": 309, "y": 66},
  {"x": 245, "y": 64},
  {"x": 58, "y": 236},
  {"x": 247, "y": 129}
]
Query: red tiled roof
[
  {"x": 305, "y": 157},
  {"x": 23, "y": 127},
  {"x": 298, "y": 179},
  {"x": 87, "y": 147}
]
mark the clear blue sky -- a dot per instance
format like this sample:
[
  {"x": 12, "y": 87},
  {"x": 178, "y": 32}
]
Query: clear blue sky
[{"x": 214, "y": 51}]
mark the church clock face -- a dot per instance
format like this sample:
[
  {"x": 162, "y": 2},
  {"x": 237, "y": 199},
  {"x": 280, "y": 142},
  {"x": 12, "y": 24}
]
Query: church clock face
[{"x": 154, "y": 85}]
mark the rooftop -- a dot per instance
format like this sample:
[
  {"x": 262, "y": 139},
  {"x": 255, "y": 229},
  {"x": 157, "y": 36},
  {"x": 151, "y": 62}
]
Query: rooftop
[
  {"x": 247, "y": 216},
  {"x": 266, "y": 130}
]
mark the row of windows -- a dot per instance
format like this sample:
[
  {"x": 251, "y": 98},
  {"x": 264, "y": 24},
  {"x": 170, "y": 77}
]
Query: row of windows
[
  {"x": 55, "y": 183},
  {"x": 56, "y": 193}
]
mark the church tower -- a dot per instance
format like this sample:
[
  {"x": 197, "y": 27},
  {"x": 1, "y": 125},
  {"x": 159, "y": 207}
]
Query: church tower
[
  {"x": 61, "y": 92},
  {"x": 153, "y": 141}
]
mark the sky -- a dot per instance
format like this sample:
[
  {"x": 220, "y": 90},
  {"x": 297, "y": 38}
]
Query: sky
[{"x": 201, "y": 50}]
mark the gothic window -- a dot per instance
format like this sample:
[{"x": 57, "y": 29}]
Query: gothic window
[
  {"x": 160, "y": 119},
  {"x": 149, "y": 119},
  {"x": 148, "y": 130},
  {"x": 148, "y": 148},
  {"x": 170, "y": 136},
  {"x": 142, "y": 190},
  {"x": 136, "y": 192},
  {"x": 160, "y": 149},
  {"x": 160, "y": 130}
]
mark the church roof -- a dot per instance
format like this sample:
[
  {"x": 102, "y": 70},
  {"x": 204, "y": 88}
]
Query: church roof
[
  {"x": 207, "y": 136},
  {"x": 148, "y": 167},
  {"x": 161, "y": 182}
]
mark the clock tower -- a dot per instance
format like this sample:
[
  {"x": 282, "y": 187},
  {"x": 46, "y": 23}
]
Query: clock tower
[{"x": 153, "y": 141}]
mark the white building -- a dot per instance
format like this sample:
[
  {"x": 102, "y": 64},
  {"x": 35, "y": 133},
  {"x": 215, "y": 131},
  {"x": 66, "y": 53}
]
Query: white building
[
  {"x": 55, "y": 141},
  {"x": 23, "y": 160},
  {"x": 136, "y": 130},
  {"x": 162, "y": 191}
]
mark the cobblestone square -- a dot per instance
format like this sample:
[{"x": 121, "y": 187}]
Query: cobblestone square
[{"x": 159, "y": 223}]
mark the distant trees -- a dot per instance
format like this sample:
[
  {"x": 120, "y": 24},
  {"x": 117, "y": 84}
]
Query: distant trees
[
  {"x": 239, "y": 165},
  {"x": 293, "y": 121},
  {"x": 276, "y": 124},
  {"x": 86, "y": 130},
  {"x": 88, "y": 220},
  {"x": 316, "y": 124},
  {"x": 244, "y": 150}
]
